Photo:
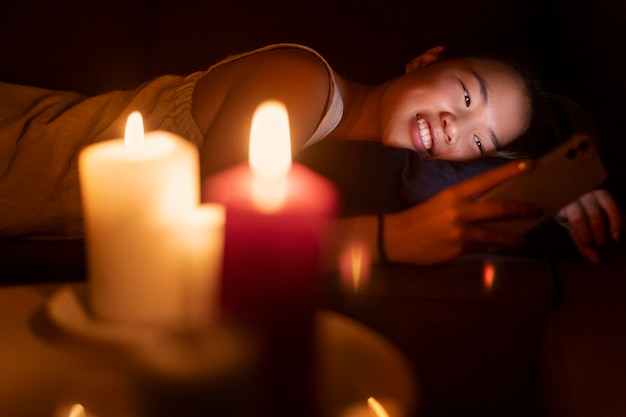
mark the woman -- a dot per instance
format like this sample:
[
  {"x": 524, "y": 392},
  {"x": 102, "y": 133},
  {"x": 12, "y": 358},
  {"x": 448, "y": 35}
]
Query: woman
[{"x": 456, "y": 109}]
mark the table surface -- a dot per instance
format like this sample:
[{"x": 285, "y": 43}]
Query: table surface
[{"x": 46, "y": 369}]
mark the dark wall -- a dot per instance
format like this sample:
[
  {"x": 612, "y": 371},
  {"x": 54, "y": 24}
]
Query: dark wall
[
  {"x": 589, "y": 65},
  {"x": 95, "y": 46},
  {"x": 577, "y": 46}
]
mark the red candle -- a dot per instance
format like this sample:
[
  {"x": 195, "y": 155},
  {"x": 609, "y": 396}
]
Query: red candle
[
  {"x": 272, "y": 260},
  {"x": 277, "y": 218}
]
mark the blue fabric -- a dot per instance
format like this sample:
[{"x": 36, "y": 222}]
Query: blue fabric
[{"x": 372, "y": 178}]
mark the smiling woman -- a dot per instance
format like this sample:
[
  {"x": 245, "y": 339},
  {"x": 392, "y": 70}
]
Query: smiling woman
[
  {"x": 459, "y": 108},
  {"x": 454, "y": 109}
]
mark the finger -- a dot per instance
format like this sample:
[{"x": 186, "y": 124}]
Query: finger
[
  {"x": 596, "y": 224},
  {"x": 484, "y": 237},
  {"x": 561, "y": 216},
  {"x": 484, "y": 182},
  {"x": 589, "y": 253},
  {"x": 577, "y": 223},
  {"x": 499, "y": 210},
  {"x": 612, "y": 211}
]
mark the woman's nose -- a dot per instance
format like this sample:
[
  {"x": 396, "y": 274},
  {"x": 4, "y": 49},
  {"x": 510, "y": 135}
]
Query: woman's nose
[{"x": 450, "y": 128}]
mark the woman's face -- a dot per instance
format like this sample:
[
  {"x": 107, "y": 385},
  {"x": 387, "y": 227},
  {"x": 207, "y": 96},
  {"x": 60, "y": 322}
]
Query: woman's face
[{"x": 455, "y": 110}]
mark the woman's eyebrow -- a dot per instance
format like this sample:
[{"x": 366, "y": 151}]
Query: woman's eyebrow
[{"x": 483, "y": 85}]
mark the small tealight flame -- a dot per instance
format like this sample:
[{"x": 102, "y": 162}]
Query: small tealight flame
[
  {"x": 489, "y": 275},
  {"x": 77, "y": 410},
  {"x": 134, "y": 135},
  {"x": 270, "y": 155},
  {"x": 355, "y": 265},
  {"x": 376, "y": 408}
]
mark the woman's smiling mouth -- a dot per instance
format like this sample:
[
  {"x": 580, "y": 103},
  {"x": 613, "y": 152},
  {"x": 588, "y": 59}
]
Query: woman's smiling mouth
[{"x": 421, "y": 135}]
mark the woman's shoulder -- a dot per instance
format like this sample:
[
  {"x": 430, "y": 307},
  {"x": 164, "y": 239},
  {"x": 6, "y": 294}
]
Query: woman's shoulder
[
  {"x": 270, "y": 66},
  {"x": 277, "y": 54},
  {"x": 295, "y": 75}
]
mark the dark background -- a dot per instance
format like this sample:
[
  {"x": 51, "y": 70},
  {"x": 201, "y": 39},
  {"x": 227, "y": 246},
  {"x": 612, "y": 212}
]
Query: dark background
[{"x": 577, "y": 46}]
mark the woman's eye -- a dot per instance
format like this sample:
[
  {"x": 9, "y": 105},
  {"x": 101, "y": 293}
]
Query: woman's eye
[
  {"x": 479, "y": 144},
  {"x": 466, "y": 96}
]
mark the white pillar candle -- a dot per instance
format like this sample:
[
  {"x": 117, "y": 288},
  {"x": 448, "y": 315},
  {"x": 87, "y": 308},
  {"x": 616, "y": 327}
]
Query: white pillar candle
[{"x": 148, "y": 240}]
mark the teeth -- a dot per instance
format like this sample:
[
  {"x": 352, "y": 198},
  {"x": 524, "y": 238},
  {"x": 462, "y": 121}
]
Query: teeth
[{"x": 424, "y": 133}]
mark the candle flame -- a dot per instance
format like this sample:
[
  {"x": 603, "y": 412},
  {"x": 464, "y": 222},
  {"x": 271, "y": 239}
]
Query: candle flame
[
  {"x": 489, "y": 275},
  {"x": 134, "y": 135},
  {"x": 270, "y": 142},
  {"x": 376, "y": 408},
  {"x": 77, "y": 410},
  {"x": 270, "y": 155},
  {"x": 355, "y": 265}
]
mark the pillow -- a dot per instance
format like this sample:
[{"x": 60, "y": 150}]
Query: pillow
[{"x": 373, "y": 178}]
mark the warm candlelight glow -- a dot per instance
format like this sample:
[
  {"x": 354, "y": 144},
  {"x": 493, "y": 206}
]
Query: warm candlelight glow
[
  {"x": 144, "y": 242},
  {"x": 270, "y": 155},
  {"x": 489, "y": 274},
  {"x": 376, "y": 408},
  {"x": 134, "y": 135},
  {"x": 355, "y": 265},
  {"x": 270, "y": 143},
  {"x": 278, "y": 217},
  {"x": 77, "y": 410}
]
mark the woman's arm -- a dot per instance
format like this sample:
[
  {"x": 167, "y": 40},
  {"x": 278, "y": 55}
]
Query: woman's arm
[{"x": 441, "y": 228}]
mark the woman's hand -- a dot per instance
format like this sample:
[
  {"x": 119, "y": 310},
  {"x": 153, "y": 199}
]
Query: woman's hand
[
  {"x": 589, "y": 219},
  {"x": 449, "y": 224}
]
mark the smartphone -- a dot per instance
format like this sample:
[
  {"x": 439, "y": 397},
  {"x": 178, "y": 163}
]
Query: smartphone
[{"x": 558, "y": 178}]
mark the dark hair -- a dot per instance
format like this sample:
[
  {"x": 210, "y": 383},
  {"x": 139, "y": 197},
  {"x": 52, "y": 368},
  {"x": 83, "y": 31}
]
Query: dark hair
[{"x": 555, "y": 118}]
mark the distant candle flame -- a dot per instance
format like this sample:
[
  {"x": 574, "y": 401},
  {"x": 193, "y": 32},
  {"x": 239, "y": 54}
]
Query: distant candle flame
[
  {"x": 489, "y": 275},
  {"x": 355, "y": 265},
  {"x": 270, "y": 155},
  {"x": 376, "y": 408},
  {"x": 134, "y": 135},
  {"x": 77, "y": 410}
]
